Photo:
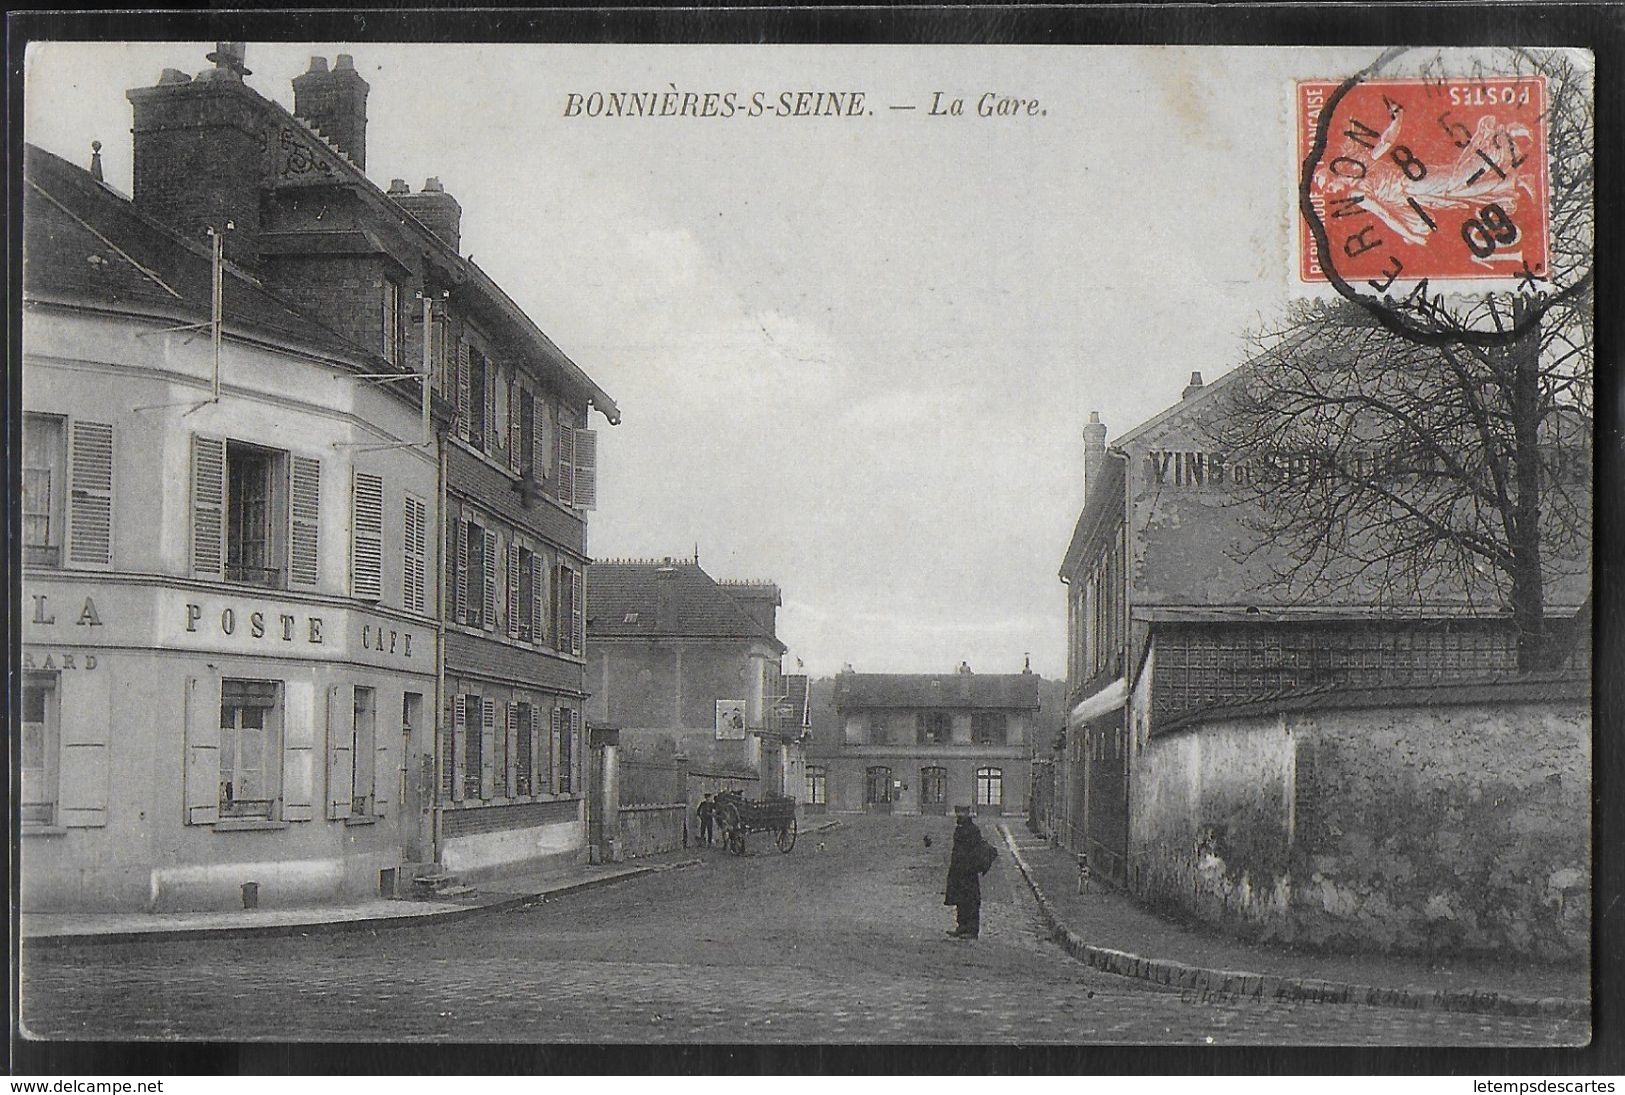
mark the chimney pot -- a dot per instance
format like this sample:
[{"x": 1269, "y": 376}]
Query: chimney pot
[
  {"x": 1094, "y": 451},
  {"x": 344, "y": 61},
  {"x": 317, "y": 64},
  {"x": 398, "y": 186},
  {"x": 335, "y": 105},
  {"x": 431, "y": 185},
  {"x": 1193, "y": 387}
]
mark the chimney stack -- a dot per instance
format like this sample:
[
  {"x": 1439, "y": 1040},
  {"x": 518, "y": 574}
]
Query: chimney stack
[
  {"x": 334, "y": 103},
  {"x": 1094, "y": 451},
  {"x": 760, "y": 600},
  {"x": 437, "y": 209},
  {"x": 1193, "y": 387}
]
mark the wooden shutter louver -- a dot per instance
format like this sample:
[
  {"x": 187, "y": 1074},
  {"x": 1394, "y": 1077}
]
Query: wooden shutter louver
[
  {"x": 208, "y": 507},
  {"x": 538, "y": 439},
  {"x": 414, "y": 563},
  {"x": 513, "y": 590},
  {"x": 489, "y": 620},
  {"x": 488, "y": 733},
  {"x": 538, "y": 613},
  {"x": 459, "y": 745},
  {"x": 340, "y": 752},
  {"x": 516, "y": 429},
  {"x": 202, "y": 762},
  {"x": 511, "y": 730},
  {"x": 460, "y": 585},
  {"x": 566, "y": 466},
  {"x": 578, "y": 612},
  {"x": 586, "y": 469},
  {"x": 367, "y": 536},
  {"x": 490, "y": 397},
  {"x": 90, "y": 494},
  {"x": 304, "y": 555},
  {"x": 577, "y": 763},
  {"x": 555, "y": 745},
  {"x": 464, "y": 403}
]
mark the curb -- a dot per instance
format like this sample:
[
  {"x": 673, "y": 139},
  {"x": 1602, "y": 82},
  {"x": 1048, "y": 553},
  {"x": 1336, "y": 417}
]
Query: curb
[
  {"x": 1238, "y": 985},
  {"x": 328, "y": 927}
]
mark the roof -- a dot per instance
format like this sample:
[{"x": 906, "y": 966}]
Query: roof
[
  {"x": 797, "y": 694},
  {"x": 86, "y": 244},
  {"x": 981, "y": 691},
  {"x": 626, "y": 601},
  {"x": 1099, "y": 509},
  {"x": 1157, "y": 614}
]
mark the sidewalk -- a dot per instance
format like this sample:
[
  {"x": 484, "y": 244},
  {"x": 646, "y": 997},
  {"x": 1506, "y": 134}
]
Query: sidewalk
[
  {"x": 491, "y": 895},
  {"x": 1109, "y": 931}
]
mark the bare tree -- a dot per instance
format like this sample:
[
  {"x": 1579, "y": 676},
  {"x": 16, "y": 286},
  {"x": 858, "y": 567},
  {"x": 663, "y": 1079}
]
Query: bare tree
[{"x": 1431, "y": 461}]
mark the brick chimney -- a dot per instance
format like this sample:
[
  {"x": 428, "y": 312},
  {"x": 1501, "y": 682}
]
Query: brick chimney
[
  {"x": 1094, "y": 451},
  {"x": 1193, "y": 387},
  {"x": 665, "y": 584},
  {"x": 334, "y": 103},
  {"x": 760, "y": 600},
  {"x": 437, "y": 209}
]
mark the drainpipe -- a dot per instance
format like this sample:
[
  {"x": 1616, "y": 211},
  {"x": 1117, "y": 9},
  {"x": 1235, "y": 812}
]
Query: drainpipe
[{"x": 435, "y": 806}]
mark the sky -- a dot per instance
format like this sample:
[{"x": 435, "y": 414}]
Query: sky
[{"x": 853, "y": 355}]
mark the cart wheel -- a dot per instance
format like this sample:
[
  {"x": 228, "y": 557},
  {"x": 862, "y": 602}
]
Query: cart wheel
[{"x": 785, "y": 838}]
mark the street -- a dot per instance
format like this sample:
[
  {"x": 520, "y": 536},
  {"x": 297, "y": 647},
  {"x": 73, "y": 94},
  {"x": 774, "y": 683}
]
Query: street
[{"x": 840, "y": 941}]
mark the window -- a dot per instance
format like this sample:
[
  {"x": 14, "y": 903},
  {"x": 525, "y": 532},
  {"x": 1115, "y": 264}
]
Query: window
[
  {"x": 566, "y": 727},
  {"x": 255, "y": 514},
  {"x": 394, "y": 337},
  {"x": 817, "y": 785},
  {"x": 877, "y": 786},
  {"x": 526, "y": 443},
  {"x": 250, "y": 749},
  {"x": 363, "y": 744},
  {"x": 476, "y": 578},
  {"x": 366, "y": 536},
  {"x": 934, "y": 727},
  {"x": 44, "y": 454},
  {"x": 526, "y": 580},
  {"x": 989, "y": 787},
  {"x": 577, "y": 464},
  {"x": 933, "y": 786},
  {"x": 567, "y": 606},
  {"x": 40, "y": 751},
  {"x": 988, "y": 727}
]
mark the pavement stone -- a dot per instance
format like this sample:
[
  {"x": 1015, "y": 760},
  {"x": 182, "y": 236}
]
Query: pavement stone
[
  {"x": 1107, "y": 930},
  {"x": 840, "y": 941}
]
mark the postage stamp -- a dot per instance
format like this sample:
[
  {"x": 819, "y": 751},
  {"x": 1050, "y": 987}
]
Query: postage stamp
[{"x": 1425, "y": 178}]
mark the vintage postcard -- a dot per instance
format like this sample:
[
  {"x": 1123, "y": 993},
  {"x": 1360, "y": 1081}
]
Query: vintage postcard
[{"x": 569, "y": 542}]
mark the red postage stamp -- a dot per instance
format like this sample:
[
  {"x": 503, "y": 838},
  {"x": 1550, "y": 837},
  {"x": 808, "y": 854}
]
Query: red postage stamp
[{"x": 1425, "y": 179}]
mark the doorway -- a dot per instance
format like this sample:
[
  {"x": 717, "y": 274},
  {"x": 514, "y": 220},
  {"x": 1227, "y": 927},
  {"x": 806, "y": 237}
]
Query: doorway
[
  {"x": 933, "y": 790},
  {"x": 877, "y": 791}
]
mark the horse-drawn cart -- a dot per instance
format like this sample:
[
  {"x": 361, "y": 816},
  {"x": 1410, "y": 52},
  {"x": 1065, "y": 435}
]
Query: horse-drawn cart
[{"x": 738, "y": 816}]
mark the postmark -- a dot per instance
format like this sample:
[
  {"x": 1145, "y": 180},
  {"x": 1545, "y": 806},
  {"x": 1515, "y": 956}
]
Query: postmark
[{"x": 1426, "y": 193}]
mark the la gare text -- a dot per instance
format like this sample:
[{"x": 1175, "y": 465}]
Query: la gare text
[{"x": 672, "y": 103}]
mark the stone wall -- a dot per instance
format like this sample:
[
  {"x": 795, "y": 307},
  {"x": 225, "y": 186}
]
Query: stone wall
[
  {"x": 1458, "y": 825},
  {"x": 650, "y": 830}
]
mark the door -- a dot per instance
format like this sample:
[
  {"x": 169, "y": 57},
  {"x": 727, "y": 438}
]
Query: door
[
  {"x": 417, "y": 781},
  {"x": 877, "y": 791},
  {"x": 933, "y": 790}
]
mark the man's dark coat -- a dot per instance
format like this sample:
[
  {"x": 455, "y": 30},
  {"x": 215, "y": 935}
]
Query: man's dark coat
[{"x": 968, "y": 861}]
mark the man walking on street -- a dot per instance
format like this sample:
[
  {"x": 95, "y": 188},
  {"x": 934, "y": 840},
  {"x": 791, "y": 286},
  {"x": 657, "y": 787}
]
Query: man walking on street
[
  {"x": 707, "y": 810},
  {"x": 971, "y": 858}
]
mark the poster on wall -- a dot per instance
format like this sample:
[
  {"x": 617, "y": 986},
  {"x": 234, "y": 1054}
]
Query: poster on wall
[{"x": 730, "y": 720}]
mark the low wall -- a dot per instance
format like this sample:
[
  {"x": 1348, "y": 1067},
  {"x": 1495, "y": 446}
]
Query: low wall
[
  {"x": 1456, "y": 825},
  {"x": 650, "y": 830}
]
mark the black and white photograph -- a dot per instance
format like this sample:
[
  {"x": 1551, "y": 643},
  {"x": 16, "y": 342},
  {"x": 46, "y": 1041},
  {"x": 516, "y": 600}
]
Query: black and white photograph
[{"x": 679, "y": 543}]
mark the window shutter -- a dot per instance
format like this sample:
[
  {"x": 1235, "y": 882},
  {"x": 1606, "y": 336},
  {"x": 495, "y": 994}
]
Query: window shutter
[
  {"x": 460, "y": 585},
  {"x": 490, "y": 397},
  {"x": 305, "y": 560},
  {"x": 414, "y": 551},
  {"x": 298, "y": 750},
  {"x": 576, "y": 764},
  {"x": 488, "y": 733},
  {"x": 555, "y": 743},
  {"x": 208, "y": 507},
  {"x": 538, "y": 582},
  {"x": 586, "y": 472},
  {"x": 516, "y": 428},
  {"x": 510, "y": 725},
  {"x": 85, "y": 768},
  {"x": 513, "y": 590},
  {"x": 489, "y": 619},
  {"x": 566, "y": 465},
  {"x": 541, "y": 770},
  {"x": 340, "y": 752},
  {"x": 464, "y": 404},
  {"x": 366, "y": 536},
  {"x": 578, "y": 612},
  {"x": 383, "y": 773},
  {"x": 90, "y": 494},
  {"x": 561, "y": 609},
  {"x": 202, "y": 773},
  {"x": 459, "y": 742},
  {"x": 538, "y": 439}
]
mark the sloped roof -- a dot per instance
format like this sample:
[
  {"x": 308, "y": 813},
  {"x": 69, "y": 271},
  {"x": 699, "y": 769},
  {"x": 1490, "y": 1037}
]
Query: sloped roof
[
  {"x": 624, "y": 601},
  {"x": 981, "y": 691},
  {"x": 798, "y": 694},
  {"x": 86, "y": 244}
]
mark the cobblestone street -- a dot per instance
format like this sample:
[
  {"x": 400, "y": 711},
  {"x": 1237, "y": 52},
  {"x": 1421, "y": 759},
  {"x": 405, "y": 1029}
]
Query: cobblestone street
[{"x": 840, "y": 941}]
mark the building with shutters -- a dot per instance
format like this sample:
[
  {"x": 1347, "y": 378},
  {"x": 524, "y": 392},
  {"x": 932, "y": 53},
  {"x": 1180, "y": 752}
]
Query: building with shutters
[
  {"x": 919, "y": 743},
  {"x": 228, "y": 660},
  {"x": 682, "y": 664},
  {"x": 1164, "y": 620}
]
